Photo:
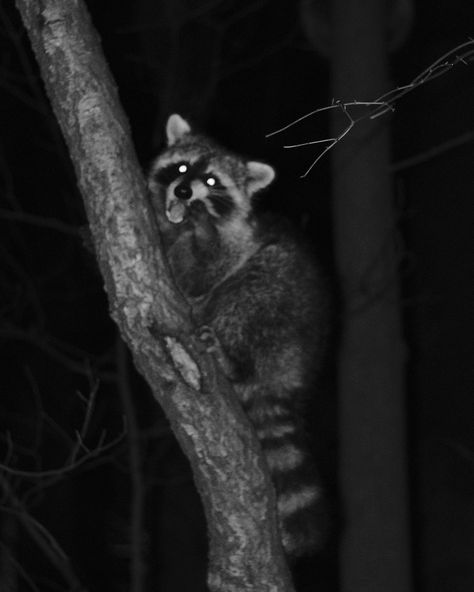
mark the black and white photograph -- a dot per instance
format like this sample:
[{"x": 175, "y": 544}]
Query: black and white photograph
[{"x": 236, "y": 296}]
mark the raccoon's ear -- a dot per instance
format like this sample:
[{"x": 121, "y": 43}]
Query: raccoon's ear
[
  {"x": 176, "y": 128},
  {"x": 260, "y": 175}
]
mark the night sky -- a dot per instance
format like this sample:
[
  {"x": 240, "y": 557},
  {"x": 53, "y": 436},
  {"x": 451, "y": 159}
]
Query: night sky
[{"x": 239, "y": 73}]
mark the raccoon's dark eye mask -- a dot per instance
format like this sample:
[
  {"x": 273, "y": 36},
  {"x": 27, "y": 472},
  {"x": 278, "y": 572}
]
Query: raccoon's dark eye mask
[
  {"x": 187, "y": 171},
  {"x": 171, "y": 172}
]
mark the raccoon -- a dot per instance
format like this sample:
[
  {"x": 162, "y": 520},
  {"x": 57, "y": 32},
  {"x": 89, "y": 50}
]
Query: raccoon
[{"x": 260, "y": 293}]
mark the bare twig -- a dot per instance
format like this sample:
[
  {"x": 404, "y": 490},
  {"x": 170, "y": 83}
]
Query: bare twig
[
  {"x": 458, "y": 55},
  {"x": 41, "y": 536},
  {"x": 81, "y": 434},
  {"x": 98, "y": 450},
  {"x": 8, "y": 557},
  {"x": 462, "y": 54},
  {"x": 334, "y": 140},
  {"x": 74, "y": 359}
]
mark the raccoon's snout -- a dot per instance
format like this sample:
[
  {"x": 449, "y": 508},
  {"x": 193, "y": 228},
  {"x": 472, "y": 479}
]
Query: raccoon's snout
[{"x": 183, "y": 191}]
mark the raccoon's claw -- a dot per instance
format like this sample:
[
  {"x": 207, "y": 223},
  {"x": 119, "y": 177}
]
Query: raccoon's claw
[
  {"x": 213, "y": 346},
  {"x": 209, "y": 339}
]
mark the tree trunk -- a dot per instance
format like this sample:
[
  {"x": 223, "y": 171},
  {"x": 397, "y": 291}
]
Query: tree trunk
[
  {"x": 245, "y": 552},
  {"x": 375, "y": 548}
]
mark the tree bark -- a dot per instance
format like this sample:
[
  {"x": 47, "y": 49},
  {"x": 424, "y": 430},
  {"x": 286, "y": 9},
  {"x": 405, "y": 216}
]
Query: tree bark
[
  {"x": 245, "y": 552},
  {"x": 375, "y": 549}
]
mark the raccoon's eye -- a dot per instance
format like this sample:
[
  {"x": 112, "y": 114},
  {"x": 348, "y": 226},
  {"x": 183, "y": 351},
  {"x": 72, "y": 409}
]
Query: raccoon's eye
[
  {"x": 211, "y": 181},
  {"x": 171, "y": 172}
]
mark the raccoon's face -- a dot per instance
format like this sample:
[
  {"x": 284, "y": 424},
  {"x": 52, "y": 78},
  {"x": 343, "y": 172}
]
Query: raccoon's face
[{"x": 193, "y": 172}]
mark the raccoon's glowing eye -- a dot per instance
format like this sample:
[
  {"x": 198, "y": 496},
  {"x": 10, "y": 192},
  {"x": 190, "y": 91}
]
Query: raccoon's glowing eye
[
  {"x": 211, "y": 181},
  {"x": 171, "y": 172}
]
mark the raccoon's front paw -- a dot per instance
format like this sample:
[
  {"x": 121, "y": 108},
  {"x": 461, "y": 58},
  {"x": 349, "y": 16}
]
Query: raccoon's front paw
[
  {"x": 213, "y": 346},
  {"x": 176, "y": 212},
  {"x": 209, "y": 339}
]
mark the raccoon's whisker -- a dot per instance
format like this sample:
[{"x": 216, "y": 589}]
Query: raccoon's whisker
[{"x": 222, "y": 196}]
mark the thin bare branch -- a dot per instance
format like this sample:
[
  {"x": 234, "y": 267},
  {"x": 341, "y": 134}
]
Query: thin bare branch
[
  {"x": 40, "y": 535},
  {"x": 95, "y": 452},
  {"x": 58, "y": 351},
  {"x": 461, "y": 54},
  {"x": 7, "y": 554},
  {"x": 81, "y": 434},
  {"x": 439, "y": 67}
]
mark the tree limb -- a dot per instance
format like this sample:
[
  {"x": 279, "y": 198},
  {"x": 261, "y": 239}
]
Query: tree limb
[{"x": 245, "y": 553}]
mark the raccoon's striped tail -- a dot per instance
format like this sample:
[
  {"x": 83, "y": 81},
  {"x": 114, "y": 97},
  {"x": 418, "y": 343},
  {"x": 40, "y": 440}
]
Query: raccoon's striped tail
[{"x": 301, "y": 512}]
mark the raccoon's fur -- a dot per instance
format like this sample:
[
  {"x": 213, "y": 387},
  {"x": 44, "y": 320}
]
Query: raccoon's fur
[{"x": 262, "y": 297}]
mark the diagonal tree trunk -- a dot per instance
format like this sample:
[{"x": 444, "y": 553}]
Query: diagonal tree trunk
[
  {"x": 375, "y": 550},
  {"x": 245, "y": 553}
]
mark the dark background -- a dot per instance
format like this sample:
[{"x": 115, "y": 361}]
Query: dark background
[{"x": 239, "y": 72}]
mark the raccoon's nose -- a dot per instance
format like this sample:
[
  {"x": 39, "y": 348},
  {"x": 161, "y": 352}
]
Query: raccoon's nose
[{"x": 183, "y": 191}]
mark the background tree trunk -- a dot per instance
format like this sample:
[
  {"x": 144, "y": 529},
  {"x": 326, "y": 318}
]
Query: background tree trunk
[
  {"x": 245, "y": 552},
  {"x": 375, "y": 549}
]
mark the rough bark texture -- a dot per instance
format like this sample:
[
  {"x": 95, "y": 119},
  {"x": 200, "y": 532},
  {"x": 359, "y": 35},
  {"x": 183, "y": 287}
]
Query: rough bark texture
[
  {"x": 375, "y": 550},
  {"x": 245, "y": 553}
]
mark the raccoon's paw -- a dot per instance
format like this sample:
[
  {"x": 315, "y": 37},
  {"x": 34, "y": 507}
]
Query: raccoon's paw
[
  {"x": 209, "y": 339},
  {"x": 213, "y": 346},
  {"x": 176, "y": 213}
]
